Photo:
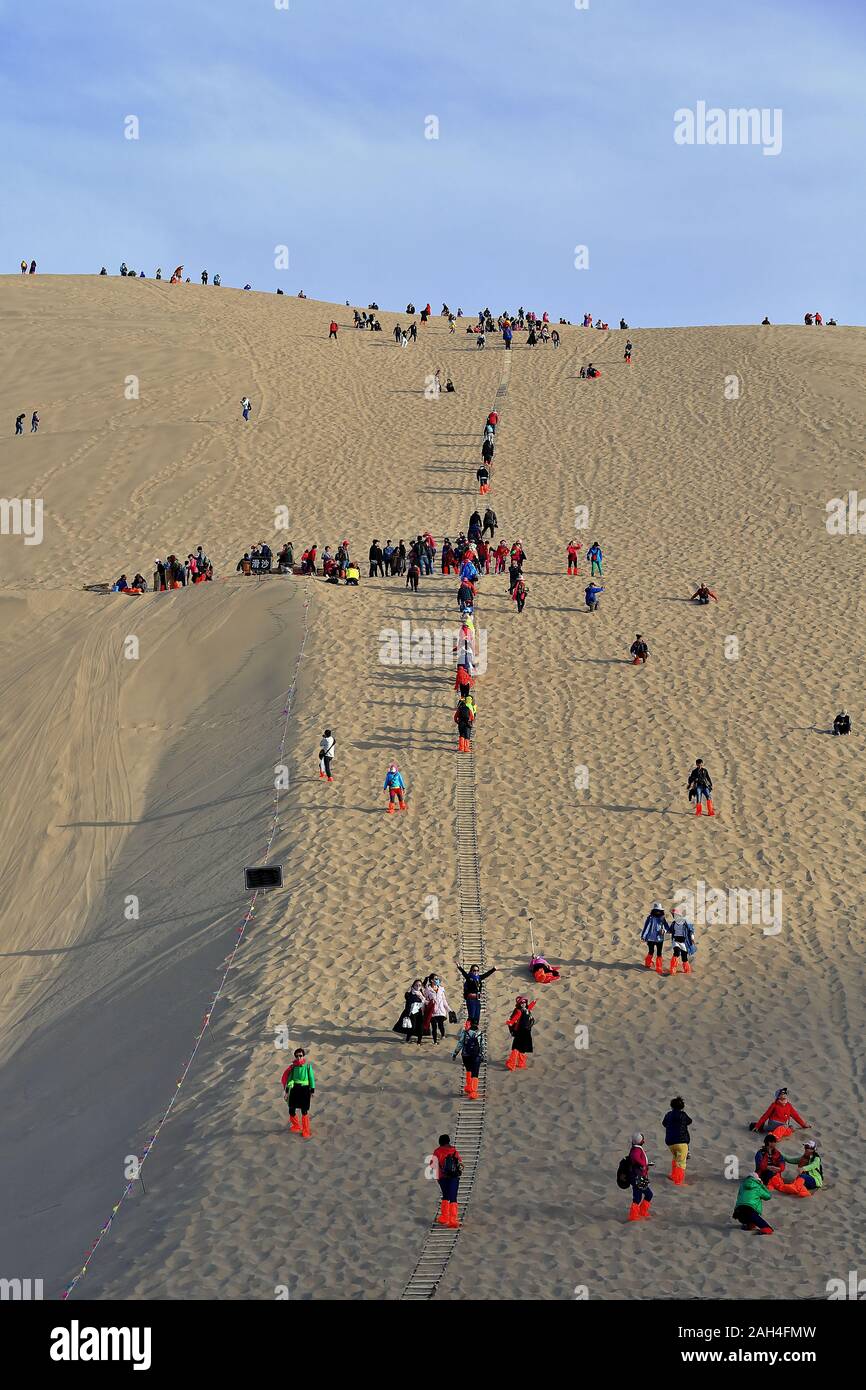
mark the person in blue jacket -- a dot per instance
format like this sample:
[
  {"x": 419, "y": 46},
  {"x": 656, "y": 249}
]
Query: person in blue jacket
[
  {"x": 653, "y": 933},
  {"x": 682, "y": 939},
  {"x": 394, "y": 786},
  {"x": 594, "y": 556},
  {"x": 591, "y": 593},
  {"x": 507, "y": 336},
  {"x": 468, "y": 571}
]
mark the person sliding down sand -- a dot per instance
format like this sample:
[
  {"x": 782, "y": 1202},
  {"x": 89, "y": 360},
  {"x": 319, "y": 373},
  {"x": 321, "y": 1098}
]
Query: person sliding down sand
[
  {"x": 700, "y": 788},
  {"x": 395, "y": 787},
  {"x": 639, "y": 651},
  {"x": 543, "y": 973},
  {"x": 842, "y": 723},
  {"x": 703, "y": 595}
]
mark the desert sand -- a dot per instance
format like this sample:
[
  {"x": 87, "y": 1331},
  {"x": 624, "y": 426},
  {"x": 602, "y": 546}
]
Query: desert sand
[{"x": 154, "y": 777}]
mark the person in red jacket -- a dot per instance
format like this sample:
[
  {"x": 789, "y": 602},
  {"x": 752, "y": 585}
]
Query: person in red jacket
[
  {"x": 493, "y": 419},
  {"x": 333, "y": 331},
  {"x": 571, "y": 553},
  {"x": 520, "y": 1027},
  {"x": 776, "y": 1118},
  {"x": 448, "y": 1167}
]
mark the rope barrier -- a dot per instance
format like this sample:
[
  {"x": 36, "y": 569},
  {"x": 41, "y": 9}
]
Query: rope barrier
[{"x": 241, "y": 931}]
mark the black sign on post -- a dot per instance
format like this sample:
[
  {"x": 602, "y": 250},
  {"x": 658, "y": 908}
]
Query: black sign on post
[
  {"x": 260, "y": 564},
  {"x": 268, "y": 877}
]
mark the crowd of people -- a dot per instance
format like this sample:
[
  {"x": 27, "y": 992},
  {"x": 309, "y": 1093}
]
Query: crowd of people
[
  {"x": 170, "y": 573},
  {"x": 766, "y": 1175}
]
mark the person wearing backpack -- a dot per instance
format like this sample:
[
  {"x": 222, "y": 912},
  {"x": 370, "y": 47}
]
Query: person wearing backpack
[
  {"x": 641, "y": 1192},
  {"x": 520, "y": 1027},
  {"x": 470, "y": 1044},
  {"x": 299, "y": 1087},
  {"x": 449, "y": 1166}
]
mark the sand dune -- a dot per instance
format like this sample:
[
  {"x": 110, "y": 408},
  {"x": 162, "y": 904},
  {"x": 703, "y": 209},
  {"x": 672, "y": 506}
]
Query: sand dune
[{"x": 154, "y": 777}]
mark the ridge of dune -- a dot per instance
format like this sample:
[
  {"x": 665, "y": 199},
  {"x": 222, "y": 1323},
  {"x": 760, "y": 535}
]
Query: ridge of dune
[{"x": 153, "y": 777}]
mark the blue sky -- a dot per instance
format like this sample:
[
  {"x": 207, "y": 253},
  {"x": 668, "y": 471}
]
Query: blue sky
[{"x": 305, "y": 127}]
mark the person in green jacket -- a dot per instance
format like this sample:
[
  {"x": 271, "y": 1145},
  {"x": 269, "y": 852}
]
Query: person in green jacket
[
  {"x": 299, "y": 1085},
  {"x": 810, "y": 1173},
  {"x": 747, "y": 1208}
]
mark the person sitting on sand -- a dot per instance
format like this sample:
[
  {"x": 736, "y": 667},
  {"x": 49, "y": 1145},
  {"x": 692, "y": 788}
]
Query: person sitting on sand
[
  {"x": 639, "y": 651},
  {"x": 703, "y": 595},
  {"x": 777, "y": 1116},
  {"x": 751, "y": 1195},
  {"x": 770, "y": 1163},
  {"x": 120, "y": 585},
  {"x": 140, "y": 583},
  {"x": 244, "y": 564},
  {"x": 842, "y": 722},
  {"x": 353, "y": 574},
  {"x": 810, "y": 1172}
]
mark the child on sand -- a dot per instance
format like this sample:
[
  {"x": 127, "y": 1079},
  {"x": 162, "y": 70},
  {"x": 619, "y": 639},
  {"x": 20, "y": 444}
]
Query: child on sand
[{"x": 639, "y": 651}]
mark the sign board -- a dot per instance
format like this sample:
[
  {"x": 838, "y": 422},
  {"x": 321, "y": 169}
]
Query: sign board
[
  {"x": 260, "y": 564},
  {"x": 270, "y": 876}
]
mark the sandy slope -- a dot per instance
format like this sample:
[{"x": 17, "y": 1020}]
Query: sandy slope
[{"x": 157, "y": 781}]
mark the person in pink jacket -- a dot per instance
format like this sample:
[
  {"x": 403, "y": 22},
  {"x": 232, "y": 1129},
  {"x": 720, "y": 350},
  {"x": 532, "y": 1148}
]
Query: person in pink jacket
[
  {"x": 641, "y": 1192},
  {"x": 776, "y": 1118}
]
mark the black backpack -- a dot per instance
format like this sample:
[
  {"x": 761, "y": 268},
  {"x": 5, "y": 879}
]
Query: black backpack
[
  {"x": 471, "y": 1048},
  {"x": 623, "y": 1173},
  {"x": 452, "y": 1167}
]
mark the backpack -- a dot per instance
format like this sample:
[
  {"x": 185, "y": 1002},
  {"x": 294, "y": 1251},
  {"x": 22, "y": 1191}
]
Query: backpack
[
  {"x": 471, "y": 1049},
  {"x": 623, "y": 1173},
  {"x": 452, "y": 1167}
]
